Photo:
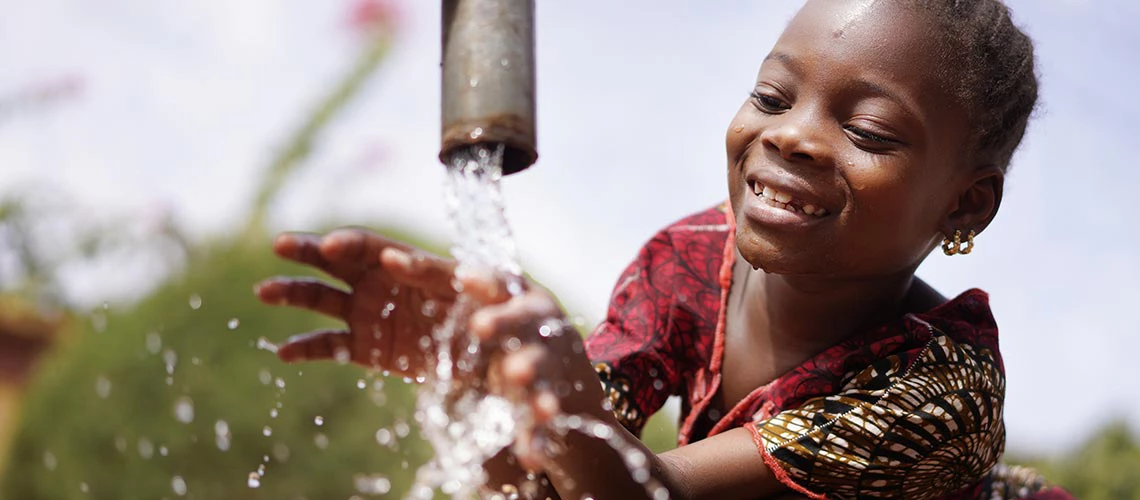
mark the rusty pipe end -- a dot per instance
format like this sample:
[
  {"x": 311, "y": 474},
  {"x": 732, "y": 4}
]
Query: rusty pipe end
[{"x": 488, "y": 79}]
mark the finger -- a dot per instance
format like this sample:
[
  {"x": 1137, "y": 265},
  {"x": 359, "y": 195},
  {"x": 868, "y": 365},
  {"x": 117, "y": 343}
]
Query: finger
[
  {"x": 485, "y": 286},
  {"x": 520, "y": 368},
  {"x": 355, "y": 246},
  {"x": 304, "y": 248},
  {"x": 420, "y": 269},
  {"x": 529, "y": 450},
  {"x": 306, "y": 293},
  {"x": 325, "y": 344},
  {"x": 518, "y": 317},
  {"x": 545, "y": 406}
]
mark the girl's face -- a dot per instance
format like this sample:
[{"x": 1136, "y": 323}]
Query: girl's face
[{"x": 850, "y": 154}]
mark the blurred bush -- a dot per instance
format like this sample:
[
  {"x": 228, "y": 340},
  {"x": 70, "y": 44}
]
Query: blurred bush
[
  {"x": 1105, "y": 467},
  {"x": 165, "y": 398}
]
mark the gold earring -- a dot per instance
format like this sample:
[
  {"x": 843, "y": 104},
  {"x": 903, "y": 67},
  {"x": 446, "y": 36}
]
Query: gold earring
[
  {"x": 969, "y": 244},
  {"x": 954, "y": 246}
]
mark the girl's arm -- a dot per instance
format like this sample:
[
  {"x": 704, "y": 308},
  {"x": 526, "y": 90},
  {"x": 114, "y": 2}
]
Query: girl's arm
[
  {"x": 601, "y": 459},
  {"x": 918, "y": 424}
]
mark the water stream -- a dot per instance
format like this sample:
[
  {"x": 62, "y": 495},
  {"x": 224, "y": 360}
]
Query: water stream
[{"x": 463, "y": 423}]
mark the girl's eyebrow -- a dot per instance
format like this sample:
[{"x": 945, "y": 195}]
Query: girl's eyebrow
[
  {"x": 782, "y": 57},
  {"x": 873, "y": 89}
]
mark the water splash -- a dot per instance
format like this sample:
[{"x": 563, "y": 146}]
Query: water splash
[{"x": 465, "y": 426}]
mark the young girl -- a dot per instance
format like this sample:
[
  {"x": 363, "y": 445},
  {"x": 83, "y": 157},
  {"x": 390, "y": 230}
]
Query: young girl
[{"x": 810, "y": 360}]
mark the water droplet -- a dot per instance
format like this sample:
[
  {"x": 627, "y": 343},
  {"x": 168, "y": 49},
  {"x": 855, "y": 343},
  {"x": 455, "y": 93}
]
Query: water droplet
[
  {"x": 513, "y": 344},
  {"x": 146, "y": 448},
  {"x": 265, "y": 345},
  {"x": 402, "y": 363},
  {"x": 184, "y": 409},
  {"x": 279, "y": 382},
  {"x": 178, "y": 485},
  {"x": 384, "y": 437},
  {"x": 476, "y": 133},
  {"x": 102, "y": 387},
  {"x": 254, "y": 480},
  {"x": 121, "y": 444},
  {"x": 265, "y": 377},
  {"x": 372, "y": 484},
  {"x": 506, "y": 63},
  {"x": 273, "y": 413},
  {"x": 402, "y": 429},
  {"x": 153, "y": 342},
  {"x": 342, "y": 355},
  {"x": 233, "y": 323},
  {"x": 195, "y": 302},
  {"x": 267, "y": 431},
  {"x": 84, "y": 488},
  {"x": 222, "y": 435},
  {"x": 319, "y": 420},
  {"x": 474, "y": 82},
  {"x": 49, "y": 460},
  {"x": 658, "y": 384},
  {"x": 171, "y": 359},
  {"x": 321, "y": 441},
  {"x": 163, "y": 451},
  {"x": 387, "y": 311}
]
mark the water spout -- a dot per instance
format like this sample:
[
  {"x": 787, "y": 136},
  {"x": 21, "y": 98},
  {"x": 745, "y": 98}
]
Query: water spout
[{"x": 488, "y": 79}]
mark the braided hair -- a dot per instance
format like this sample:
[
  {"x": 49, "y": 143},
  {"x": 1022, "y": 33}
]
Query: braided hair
[{"x": 995, "y": 76}]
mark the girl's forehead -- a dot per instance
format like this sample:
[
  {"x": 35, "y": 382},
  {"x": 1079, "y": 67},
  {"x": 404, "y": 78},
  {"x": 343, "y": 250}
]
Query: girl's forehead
[{"x": 880, "y": 39}]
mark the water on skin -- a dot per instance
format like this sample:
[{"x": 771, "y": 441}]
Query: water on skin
[{"x": 464, "y": 425}]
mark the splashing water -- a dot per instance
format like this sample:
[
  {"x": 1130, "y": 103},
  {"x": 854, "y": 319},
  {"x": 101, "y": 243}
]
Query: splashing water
[{"x": 465, "y": 426}]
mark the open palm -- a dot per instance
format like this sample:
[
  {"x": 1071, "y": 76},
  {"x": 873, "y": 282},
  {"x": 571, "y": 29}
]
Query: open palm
[{"x": 396, "y": 295}]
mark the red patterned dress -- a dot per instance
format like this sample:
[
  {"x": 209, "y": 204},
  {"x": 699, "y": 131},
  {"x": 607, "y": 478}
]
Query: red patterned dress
[{"x": 911, "y": 409}]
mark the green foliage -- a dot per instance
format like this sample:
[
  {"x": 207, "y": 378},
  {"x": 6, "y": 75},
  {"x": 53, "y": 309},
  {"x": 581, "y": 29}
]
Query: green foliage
[
  {"x": 73, "y": 438},
  {"x": 1106, "y": 467}
]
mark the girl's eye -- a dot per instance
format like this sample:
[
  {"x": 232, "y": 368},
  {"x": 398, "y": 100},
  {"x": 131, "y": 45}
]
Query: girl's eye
[
  {"x": 869, "y": 136},
  {"x": 769, "y": 104}
]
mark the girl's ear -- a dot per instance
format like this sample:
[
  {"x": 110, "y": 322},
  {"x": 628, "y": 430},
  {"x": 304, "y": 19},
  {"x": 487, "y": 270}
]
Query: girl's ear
[{"x": 977, "y": 203}]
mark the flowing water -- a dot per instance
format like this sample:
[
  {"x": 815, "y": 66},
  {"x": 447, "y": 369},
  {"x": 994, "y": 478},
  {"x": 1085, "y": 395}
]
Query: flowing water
[{"x": 465, "y": 425}]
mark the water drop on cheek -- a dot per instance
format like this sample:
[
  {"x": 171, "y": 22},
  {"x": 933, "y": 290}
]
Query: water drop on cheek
[{"x": 738, "y": 129}]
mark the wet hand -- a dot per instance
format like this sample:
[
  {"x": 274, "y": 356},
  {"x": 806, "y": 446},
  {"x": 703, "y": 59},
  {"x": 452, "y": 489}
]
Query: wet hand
[
  {"x": 538, "y": 360},
  {"x": 396, "y": 295}
]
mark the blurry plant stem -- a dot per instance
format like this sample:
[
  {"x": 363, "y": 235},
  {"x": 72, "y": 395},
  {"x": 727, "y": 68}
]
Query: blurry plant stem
[{"x": 300, "y": 144}]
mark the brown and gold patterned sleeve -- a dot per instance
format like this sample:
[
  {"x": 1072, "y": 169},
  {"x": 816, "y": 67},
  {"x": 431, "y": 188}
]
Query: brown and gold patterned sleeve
[{"x": 899, "y": 429}]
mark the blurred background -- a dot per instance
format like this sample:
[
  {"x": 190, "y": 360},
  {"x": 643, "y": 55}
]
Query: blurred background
[{"x": 150, "y": 149}]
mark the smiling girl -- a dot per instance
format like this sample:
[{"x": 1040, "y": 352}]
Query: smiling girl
[{"x": 809, "y": 358}]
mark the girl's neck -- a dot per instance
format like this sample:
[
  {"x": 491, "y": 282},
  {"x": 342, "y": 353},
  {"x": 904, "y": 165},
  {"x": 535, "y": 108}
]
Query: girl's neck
[{"x": 812, "y": 312}]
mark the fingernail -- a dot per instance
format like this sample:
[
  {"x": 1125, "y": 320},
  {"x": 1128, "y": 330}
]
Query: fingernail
[{"x": 397, "y": 257}]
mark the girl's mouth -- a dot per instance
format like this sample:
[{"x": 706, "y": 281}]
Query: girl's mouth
[{"x": 785, "y": 201}]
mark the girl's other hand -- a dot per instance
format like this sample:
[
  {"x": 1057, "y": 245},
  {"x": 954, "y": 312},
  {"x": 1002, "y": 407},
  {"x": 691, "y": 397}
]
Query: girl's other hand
[
  {"x": 538, "y": 359},
  {"x": 396, "y": 295}
]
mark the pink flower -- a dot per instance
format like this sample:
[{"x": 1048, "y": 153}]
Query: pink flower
[{"x": 373, "y": 17}]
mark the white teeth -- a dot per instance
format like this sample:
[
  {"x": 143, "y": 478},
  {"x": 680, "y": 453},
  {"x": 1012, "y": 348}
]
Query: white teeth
[{"x": 783, "y": 200}]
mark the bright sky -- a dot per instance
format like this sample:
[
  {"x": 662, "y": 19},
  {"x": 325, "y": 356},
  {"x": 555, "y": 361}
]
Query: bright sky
[{"x": 183, "y": 102}]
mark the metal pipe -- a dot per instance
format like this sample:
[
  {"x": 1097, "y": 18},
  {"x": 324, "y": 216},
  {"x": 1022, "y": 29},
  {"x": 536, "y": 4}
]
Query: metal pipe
[{"x": 488, "y": 78}]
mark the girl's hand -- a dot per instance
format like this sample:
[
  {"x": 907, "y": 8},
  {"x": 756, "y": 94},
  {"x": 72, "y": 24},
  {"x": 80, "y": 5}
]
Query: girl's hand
[
  {"x": 396, "y": 296},
  {"x": 539, "y": 359}
]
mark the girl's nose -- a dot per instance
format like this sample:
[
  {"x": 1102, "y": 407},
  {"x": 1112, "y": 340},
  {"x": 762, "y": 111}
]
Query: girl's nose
[{"x": 797, "y": 136}]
